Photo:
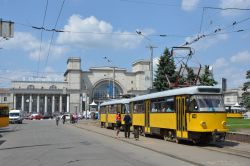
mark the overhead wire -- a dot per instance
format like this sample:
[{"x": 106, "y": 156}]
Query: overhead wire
[
  {"x": 41, "y": 36},
  {"x": 52, "y": 36},
  {"x": 217, "y": 31}
]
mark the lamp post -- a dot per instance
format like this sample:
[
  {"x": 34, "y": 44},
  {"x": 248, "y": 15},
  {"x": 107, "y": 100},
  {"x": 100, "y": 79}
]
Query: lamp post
[
  {"x": 109, "y": 61},
  {"x": 86, "y": 107},
  {"x": 151, "y": 48},
  {"x": 113, "y": 82},
  {"x": 151, "y": 65}
]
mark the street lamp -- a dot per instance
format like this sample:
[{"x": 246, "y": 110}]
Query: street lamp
[
  {"x": 109, "y": 61},
  {"x": 151, "y": 65},
  {"x": 151, "y": 48}
]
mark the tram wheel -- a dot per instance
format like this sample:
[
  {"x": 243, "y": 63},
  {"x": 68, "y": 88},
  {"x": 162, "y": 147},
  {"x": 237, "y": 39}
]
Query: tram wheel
[
  {"x": 142, "y": 131},
  {"x": 166, "y": 135}
]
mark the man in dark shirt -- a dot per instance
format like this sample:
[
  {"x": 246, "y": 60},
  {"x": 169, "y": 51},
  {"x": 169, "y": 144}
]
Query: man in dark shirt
[{"x": 127, "y": 122}]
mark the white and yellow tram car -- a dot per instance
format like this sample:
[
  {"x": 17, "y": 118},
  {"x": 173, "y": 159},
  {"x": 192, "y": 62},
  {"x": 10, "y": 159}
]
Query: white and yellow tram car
[
  {"x": 191, "y": 113},
  {"x": 109, "y": 109}
]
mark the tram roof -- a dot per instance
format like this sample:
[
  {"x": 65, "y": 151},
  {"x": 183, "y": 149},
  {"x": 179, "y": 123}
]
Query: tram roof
[
  {"x": 180, "y": 91},
  {"x": 116, "y": 101}
]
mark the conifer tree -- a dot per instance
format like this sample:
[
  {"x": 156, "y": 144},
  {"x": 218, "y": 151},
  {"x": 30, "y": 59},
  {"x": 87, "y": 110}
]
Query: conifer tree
[
  {"x": 190, "y": 76},
  {"x": 246, "y": 94},
  {"x": 165, "y": 67},
  {"x": 206, "y": 78}
]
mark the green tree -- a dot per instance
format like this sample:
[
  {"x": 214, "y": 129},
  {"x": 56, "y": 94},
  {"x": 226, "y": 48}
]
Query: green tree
[
  {"x": 246, "y": 94},
  {"x": 206, "y": 78},
  {"x": 190, "y": 76},
  {"x": 165, "y": 67}
]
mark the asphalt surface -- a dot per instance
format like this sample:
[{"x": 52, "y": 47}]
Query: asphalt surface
[
  {"x": 39, "y": 143},
  {"x": 85, "y": 143}
]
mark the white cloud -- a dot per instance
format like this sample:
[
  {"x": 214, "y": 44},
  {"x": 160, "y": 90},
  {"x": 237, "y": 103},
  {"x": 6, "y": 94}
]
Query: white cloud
[
  {"x": 51, "y": 75},
  {"x": 220, "y": 63},
  {"x": 233, "y": 4},
  {"x": 229, "y": 68},
  {"x": 94, "y": 33},
  {"x": 241, "y": 57},
  {"x": 189, "y": 5},
  {"x": 155, "y": 63},
  {"x": 30, "y": 44},
  {"x": 235, "y": 76}
]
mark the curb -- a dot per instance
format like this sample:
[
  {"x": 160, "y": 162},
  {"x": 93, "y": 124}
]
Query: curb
[{"x": 240, "y": 137}]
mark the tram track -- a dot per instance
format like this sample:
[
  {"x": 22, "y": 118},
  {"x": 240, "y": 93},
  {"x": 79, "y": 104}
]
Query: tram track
[
  {"x": 234, "y": 152},
  {"x": 210, "y": 147},
  {"x": 144, "y": 147}
]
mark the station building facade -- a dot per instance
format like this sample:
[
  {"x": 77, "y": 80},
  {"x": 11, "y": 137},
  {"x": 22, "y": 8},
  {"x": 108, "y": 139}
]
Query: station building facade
[{"x": 80, "y": 88}]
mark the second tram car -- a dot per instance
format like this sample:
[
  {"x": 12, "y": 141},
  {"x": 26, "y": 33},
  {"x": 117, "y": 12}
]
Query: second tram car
[{"x": 109, "y": 109}]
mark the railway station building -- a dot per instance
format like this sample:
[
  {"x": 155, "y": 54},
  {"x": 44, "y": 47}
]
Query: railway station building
[{"x": 80, "y": 88}]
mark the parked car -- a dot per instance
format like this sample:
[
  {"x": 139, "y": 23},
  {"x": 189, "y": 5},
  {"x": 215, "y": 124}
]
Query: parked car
[
  {"x": 16, "y": 116},
  {"x": 47, "y": 116},
  {"x": 35, "y": 116}
]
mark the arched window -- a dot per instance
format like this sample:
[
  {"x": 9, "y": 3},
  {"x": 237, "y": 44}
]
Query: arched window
[
  {"x": 104, "y": 90},
  {"x": 30, "y": 87}
]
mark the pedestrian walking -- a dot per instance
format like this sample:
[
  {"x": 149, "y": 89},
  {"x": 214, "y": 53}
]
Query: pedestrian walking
[
  {"x": 71, "y": 118},
  {"x": 127, "y": 122},
  {"x": 63, "y": 119},
  {"x": 118, "y": 123},
  {"x": 57, "y": 120}
]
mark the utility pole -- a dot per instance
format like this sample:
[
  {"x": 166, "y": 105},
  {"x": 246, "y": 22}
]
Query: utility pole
[
  {"x": 151, "y": 48},
  {"x": 113, "y": 87},
  {"x": 113, "y": 82}
]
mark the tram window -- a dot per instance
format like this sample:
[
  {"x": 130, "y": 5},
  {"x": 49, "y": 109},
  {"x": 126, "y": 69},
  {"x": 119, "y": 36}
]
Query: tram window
[
  {"x": 163, "y": 105},
  {"x": 170, "y": 104},
  {"x": 138, "y": 108},
  {"x": 156, "y": 107},
  {"x": 206, "y": 103},
  {"x": 112, "y": 109},
  {"x": 123, "y": 109},
  {"x": 102, "y": 110}
]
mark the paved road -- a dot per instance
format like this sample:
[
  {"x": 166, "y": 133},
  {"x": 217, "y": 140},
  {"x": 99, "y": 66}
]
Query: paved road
[{"x": 38, "y": 143}]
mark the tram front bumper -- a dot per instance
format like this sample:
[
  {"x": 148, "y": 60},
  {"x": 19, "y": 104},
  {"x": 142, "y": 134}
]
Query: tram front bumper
[{"x": 218, "y": 136}]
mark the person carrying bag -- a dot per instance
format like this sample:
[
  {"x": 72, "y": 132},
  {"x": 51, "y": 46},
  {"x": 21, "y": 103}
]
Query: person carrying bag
[{"x": 127, "y": 122}]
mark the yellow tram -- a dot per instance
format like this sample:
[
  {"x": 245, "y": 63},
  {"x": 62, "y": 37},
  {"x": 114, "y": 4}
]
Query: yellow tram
[
  {"x": 4, "y": 115},
  {"x": 192, "y": 113},
  {"x": 109, "y": 109}
]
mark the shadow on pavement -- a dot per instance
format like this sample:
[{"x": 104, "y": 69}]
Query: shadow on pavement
[{"x": 2, "y": 141}]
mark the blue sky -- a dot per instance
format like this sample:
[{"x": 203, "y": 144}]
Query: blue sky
[{"x": 94, "y": 29}]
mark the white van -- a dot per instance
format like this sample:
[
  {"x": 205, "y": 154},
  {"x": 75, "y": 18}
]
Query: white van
[{"x": 16, "y": 116}]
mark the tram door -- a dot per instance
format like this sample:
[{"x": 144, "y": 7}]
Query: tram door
[
  {"x": 147, "y": 116},
  {"x": 181, "y": 122},
  {"x": 107, "y": 112}
]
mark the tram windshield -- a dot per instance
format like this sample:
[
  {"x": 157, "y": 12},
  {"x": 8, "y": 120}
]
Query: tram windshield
[{"x": 210, "y": 103}]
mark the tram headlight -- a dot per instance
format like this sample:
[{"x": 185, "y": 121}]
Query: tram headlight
[
  {"x": 224, "y": 123},
  {"x": 203, "y": 124}
]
